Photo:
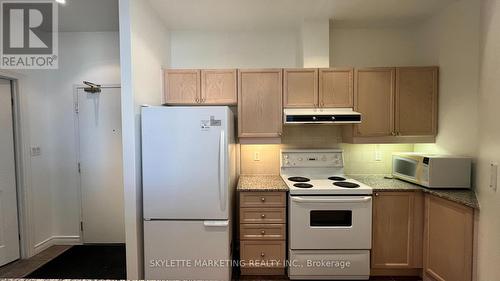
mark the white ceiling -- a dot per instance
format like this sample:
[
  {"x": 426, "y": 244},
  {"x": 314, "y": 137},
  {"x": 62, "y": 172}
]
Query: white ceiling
[
  {"x": 254, "y": 14},
  {"x": 88, "y": 15}
]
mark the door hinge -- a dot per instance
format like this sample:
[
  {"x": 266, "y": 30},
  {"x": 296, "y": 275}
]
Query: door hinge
[
  {"x": 79, "y": 168},
  {"x": 81, "y": 226}
]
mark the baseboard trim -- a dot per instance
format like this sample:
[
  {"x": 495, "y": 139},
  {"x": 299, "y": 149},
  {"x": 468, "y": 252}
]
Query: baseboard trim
[{"x": 57, "y": 240}]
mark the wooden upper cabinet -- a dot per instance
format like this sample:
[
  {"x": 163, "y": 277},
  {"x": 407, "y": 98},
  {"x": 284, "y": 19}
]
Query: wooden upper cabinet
[
  {"x": 448, "y": 240},
  {"x": 336, "y": 87},
  {"x": 218, "y": 86},
  {"x": 397, "y": 230},
  {"x": 416, "y": 101},
  {"x": 300, "y": 87},
  {"x": 182, "y": 86},
  {"x": 260, "y": 103},
  {"x": 374, "y": 99}
]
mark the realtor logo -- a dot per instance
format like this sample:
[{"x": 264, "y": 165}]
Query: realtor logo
[{"x": 28, "y": 35}]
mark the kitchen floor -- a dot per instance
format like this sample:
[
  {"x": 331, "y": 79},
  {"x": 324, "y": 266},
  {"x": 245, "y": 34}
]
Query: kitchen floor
[
  {"x": 285, "y": 278},
  {"x": 57, "y": 256},
  {"x": 22, "y": 268},
  {"x": 71, "y": 262}
]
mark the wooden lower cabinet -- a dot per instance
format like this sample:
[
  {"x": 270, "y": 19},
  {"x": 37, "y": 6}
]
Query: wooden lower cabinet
[
  {"x": 397, "y": 231},
  {"x": 262, "y": 233},
  {"x": 448, "y": 240},
  {"x": 421, "y": 235}
]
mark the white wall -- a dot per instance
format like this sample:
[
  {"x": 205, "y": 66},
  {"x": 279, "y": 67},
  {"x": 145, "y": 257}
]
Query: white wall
[
  {"x": 489, "y": 142},
  {"x": 49, "y": 121},
  {"x": 236, "y": 49},
  {"x": 371, "y": 46},
  {"x": 144, "y": 50},
  {"x": 451, "y": 40}
]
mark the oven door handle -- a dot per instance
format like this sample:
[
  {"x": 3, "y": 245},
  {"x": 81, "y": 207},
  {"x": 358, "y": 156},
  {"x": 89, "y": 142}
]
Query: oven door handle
[{"x": 332, "y": 200}]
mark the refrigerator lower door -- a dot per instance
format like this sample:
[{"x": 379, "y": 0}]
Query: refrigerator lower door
[{"x": 187, "y": 250}]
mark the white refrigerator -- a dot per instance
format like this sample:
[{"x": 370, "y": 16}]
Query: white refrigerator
[{"x": 188, "y": 174}]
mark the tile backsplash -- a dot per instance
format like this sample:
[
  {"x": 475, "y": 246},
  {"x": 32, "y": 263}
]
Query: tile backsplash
[{"x": 359, "y": 158}]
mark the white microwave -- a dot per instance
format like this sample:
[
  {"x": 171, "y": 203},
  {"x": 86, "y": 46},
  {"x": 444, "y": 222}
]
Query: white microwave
[{"x": 433, "y": 171}]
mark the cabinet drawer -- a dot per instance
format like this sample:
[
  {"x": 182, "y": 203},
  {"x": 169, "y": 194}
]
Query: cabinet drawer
[
  {"x": 262, "y": 199},
  {"x": 262, "y": 232},
  {"x": 263, "y": 253},
  {"x": 262, "y": 215}
]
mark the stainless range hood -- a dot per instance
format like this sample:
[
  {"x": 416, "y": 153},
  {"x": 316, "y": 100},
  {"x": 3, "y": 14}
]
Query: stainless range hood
[{"x": 321, "y": 116}]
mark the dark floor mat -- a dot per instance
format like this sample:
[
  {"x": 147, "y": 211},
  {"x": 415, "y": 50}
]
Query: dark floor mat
[{"x": 86, "y": 262}]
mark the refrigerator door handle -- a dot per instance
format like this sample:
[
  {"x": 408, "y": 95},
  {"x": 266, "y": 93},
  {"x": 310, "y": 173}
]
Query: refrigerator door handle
[
  {"x": 222, "y": 171},
  {"x": 215, "y": 223}
]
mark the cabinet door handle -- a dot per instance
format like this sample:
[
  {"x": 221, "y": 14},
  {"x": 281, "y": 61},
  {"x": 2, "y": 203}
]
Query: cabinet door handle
[
  {"x": 393, "y": 133},
  {"x": 197, "y": 100},
  {"x": 263, "y": 199},
  {"x": 262, "y": 254},
  {"x": 263, "y": 216},
  {"x": 376, "y": 194},
  {"x": 262, "y": 232}
]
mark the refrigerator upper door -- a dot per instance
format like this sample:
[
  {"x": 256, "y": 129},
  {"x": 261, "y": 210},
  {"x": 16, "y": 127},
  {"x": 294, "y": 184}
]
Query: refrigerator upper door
[{"x": 185, "y": 162}]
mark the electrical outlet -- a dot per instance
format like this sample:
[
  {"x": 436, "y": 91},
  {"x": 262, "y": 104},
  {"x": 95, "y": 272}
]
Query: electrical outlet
[
  {"x": 35, "y": 151},
  {"x": 378, "y": 155},
  {"x": 256, "y": 156},
  {"x": 493, "y": 176}
]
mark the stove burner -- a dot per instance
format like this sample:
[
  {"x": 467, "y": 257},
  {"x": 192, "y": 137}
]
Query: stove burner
[
  {"x": 303, "y": 185},
  {"x": 298, "y": 179},
  {"x": 336, "y": 178},
  {"x": 346, "y": 184}
]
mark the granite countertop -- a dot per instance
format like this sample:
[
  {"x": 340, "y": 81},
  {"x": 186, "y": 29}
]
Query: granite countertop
[
  {"x": 380, "y": 183},
  {"x": 261, "y": 183}
]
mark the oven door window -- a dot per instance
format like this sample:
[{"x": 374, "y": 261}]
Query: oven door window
[{"x": 334, "y": 218}]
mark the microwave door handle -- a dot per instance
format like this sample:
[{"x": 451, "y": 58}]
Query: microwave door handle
[{"x": 332, "y": 200}]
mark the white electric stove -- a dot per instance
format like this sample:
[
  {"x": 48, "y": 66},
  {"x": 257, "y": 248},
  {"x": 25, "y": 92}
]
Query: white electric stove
[{"x": 330, "y": 217}]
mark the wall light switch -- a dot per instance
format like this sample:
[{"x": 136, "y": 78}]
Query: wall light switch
[
  {"x": 35, "y": 151},
  {"x": 378, "y": 155},
  {"x": 493, "y": 176},
  {"x": 256, "y": 156}
]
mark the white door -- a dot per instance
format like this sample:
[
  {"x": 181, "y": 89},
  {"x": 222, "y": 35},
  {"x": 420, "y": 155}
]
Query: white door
[
  {"x": 100, "y": 156},
  {"x": 9, "y": 232}
]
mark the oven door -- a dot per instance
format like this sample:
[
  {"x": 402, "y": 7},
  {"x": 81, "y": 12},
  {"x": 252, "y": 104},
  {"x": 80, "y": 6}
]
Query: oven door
[{"x": 330, "y": 222}]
